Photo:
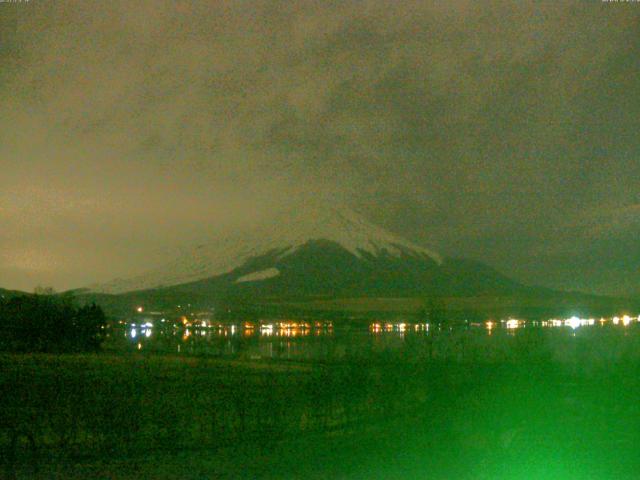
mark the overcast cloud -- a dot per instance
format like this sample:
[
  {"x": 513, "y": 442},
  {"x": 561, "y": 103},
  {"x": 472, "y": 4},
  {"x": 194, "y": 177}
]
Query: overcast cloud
[{"x": 502, "y": 131}]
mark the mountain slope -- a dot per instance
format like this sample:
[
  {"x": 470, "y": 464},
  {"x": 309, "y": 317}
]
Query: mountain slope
[{"x": 322, "y": 268}]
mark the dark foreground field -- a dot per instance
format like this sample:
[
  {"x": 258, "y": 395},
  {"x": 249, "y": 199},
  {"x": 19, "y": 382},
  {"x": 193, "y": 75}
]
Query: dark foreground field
[{"x": 161, "y": 417}]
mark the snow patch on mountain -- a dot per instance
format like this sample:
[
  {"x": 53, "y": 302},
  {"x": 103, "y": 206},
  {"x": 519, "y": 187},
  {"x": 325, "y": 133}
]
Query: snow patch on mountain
[
  {"x": 260, "y": 275},
  {"x": 283, "y": 235}
]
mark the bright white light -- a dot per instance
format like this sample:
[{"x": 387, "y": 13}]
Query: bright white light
[
  {"x": 134, "y": 332},
  {"x": 148, "y": 325},
  {"x": 147, "y": 332},
  {"x": 139, "y": 309},
  {"x": 626, "y": 320},
  {"x": 616, "y": 320},
  {"x": 573, "y": 322},
  {"x": 513, "y": 323}
]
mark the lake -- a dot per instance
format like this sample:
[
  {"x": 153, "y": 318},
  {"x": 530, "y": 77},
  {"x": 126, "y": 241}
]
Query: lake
[{"x": 568, "y": 340}]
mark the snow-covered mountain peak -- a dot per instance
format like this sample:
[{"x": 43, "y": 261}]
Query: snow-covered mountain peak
[
  {"x": 343, "y": 226},
  {"x": 284, "y": 234}
]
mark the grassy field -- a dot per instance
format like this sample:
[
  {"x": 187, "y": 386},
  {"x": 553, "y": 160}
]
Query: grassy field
[{"x": 148, "y": 416}]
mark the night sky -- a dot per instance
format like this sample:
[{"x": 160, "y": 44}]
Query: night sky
[{"x": 507, "y": 132}]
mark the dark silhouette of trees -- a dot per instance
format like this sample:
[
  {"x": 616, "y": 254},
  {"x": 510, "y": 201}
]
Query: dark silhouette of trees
[{"x": 50, "y": 323}]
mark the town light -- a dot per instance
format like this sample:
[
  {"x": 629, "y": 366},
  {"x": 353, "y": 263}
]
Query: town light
[
  {"x": 513, "y": 323},
  {"x": 573, "y": 322}
]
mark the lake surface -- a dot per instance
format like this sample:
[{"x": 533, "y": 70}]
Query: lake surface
[{"x": 557, "y": 340}]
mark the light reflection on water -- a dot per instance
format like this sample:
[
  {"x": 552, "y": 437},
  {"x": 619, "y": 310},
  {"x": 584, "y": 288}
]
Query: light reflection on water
[{"x": 320, "y": 340}]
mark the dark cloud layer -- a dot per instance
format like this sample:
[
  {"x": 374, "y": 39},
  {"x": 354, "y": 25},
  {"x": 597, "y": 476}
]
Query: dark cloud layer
[{"x": 504, "y": 131}]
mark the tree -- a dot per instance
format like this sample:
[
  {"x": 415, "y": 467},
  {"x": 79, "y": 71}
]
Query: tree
[
  {"x": 50, "y": 323},
  {"x": 40, "y": 290},
  {"x": 89, "y": 326}
]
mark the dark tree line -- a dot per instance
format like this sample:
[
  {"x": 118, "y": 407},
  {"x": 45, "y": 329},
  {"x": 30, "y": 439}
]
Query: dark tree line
[{"x": 50, "y": 323}]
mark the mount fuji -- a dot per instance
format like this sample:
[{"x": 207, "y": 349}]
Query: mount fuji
[
  {"x": 308, "y": 253},
  {"x": 256, "y": 255}
]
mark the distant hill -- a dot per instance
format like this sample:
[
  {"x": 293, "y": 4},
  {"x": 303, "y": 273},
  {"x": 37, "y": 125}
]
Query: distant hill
[{"x": 11, "y": 293}]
